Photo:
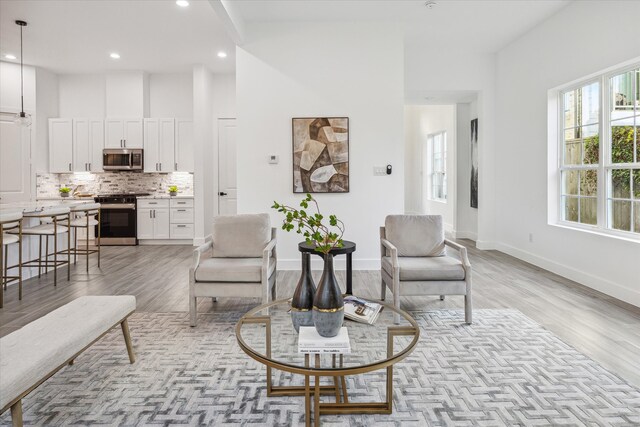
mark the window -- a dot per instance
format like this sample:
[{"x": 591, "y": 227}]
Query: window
[
  {"x": 436, "y": 162},
  {"x": 600, "y": 153}
]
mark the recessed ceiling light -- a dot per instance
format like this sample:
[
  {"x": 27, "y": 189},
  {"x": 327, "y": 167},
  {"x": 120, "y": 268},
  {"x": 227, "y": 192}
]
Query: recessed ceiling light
[
  {"x": 182, "y": 3},
  {"x": 222, "y": 54},
  {"x": 115, "y": 55},
  {"x": 9, "y": 56},
  {"x": 430, "y": 4}
]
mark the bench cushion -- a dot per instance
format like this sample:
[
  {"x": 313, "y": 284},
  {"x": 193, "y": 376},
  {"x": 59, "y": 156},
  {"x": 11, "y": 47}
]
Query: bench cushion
[
  {"x": 247, "y": 270},
  {"x": 32, "y": 352},
  {"x": 426, "y": 268}
]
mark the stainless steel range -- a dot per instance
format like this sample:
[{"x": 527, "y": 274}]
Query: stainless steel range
[{"x": 118, "y": 219}]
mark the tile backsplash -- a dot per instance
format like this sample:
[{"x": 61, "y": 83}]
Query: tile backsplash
[{"x": 47, "y": 184}]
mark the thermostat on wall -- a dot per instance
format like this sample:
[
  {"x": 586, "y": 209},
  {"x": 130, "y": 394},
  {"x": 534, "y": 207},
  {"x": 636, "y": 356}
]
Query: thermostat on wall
[{"x": 274, "y": 159}]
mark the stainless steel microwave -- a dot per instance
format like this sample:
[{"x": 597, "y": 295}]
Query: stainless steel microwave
[{"x": 122, "y": 159}]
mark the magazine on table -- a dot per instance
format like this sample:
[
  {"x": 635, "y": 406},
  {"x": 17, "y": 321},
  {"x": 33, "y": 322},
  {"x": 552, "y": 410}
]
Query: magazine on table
[{"x": 361, "y": 310}]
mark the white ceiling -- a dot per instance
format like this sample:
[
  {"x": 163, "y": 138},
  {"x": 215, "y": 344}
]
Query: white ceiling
[
  {"x": 150, "y": 35},
  {"x": 478, "y": 25},
  {"x": 75, "y": 36}
]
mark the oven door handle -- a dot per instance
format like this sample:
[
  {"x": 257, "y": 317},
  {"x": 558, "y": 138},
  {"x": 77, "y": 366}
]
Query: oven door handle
[{"x": 120, "y": 206}]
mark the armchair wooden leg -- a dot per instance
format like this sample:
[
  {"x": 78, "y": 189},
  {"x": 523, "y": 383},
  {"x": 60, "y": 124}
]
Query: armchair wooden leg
[
  {"x": 16, "y": 414},
  {"x": 214, "y": 299},
  {"x": 441, "y": 297},
  {"x": 468, "y": 309},
  {"x": 193, "y": 311},
  {"x": 127, "y": 340},
  {"x": 383, "y": 290}
]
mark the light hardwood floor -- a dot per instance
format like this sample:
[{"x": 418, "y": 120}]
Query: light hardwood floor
[{"x": 601, "y": 327}]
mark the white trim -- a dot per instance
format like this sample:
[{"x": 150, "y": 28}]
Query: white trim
[
  {"x": 153, "y": 242},
  {"x": 466, "y": 235},
  {"x": 486, "y": 245},
  {"x": 594, "y": 282}
]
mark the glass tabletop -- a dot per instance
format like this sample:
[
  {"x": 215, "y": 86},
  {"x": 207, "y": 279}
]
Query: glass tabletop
[{"x": 267, "y": 335}]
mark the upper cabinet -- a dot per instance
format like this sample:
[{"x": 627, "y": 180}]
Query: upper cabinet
[
  {"x": 60, "y": 145},
  {"x": 184, "y": 154},
  {"x": 123, "y": 133},
  {"x": 88, "y": 142},
  {"x": 159, "y": 145},
  {"x": 75, "y": 145}
]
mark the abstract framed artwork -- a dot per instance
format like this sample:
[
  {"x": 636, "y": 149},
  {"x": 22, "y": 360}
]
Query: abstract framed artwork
[
  {"x": 474, "y": 163},
  {"x": 320, "y": 154}
]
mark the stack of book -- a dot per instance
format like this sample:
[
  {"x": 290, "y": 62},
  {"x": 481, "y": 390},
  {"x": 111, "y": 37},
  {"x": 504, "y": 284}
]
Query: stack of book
[{"x": 310, "y": 341}]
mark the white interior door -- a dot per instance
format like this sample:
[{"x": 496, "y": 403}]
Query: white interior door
[
  {"x": 15, "y": 161},
  {"x": 227, "y": 187}
]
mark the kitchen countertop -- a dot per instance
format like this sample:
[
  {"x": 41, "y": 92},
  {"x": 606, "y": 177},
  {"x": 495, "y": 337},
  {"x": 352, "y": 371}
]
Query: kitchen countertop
[
  {"x": 39, "y": 205},
  {"x": 162, "y": 196}
]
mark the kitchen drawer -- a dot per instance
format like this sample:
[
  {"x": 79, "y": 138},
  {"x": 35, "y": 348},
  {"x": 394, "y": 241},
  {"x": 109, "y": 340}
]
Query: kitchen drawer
[
  {"x": 181, "y": 203},
  {"x": 181, "y": 215},
  {"x": 153, "y": 203},
  {"x": 182, "y": 231}
]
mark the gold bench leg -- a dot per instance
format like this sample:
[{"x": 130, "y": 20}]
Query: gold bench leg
[
  {"x": 127, "y": 340},
  {"x": 16, "y": 414}
]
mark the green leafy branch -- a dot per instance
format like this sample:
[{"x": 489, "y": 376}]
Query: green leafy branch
[{"x": 311, "y": 225}]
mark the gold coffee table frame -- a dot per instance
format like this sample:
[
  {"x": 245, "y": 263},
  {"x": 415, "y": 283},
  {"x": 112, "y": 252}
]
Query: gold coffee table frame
[{"x": 337, "y": 370}]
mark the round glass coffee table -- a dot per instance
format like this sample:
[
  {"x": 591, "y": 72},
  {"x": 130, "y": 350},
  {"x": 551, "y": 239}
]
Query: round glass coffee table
[{"x": 267, "y": 335}]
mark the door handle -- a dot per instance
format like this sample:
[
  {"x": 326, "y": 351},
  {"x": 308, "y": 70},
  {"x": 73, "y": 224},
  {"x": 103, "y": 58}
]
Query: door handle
[
  {"x": 69, "y": 167},
  {"x": 160, "y": 166},
  {"x": 89, "y": 166},
  {"x": 222, "y": 193},
  {"x": 176, "y": 166},
  {"x": 150, "y": 213},
  {"x": 125, "y": 143}
]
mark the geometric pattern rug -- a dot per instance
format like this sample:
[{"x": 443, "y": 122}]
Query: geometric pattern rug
[{"x": 505, "y": 369}]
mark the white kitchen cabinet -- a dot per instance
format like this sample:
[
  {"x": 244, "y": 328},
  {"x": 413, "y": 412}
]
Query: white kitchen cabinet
[
  {"x": 153, "y": 219},
  {"x": 159, "y": 145},
  {"x": 184, "y": 155},
  {"x": 123, "y": 133},
  {"x": 88, "y": 142},
  {"x": 60, "y": 145}
]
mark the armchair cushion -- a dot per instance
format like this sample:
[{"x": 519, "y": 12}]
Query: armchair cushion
[
  {"x": 240, "y": 236},
  {"x": 426, "y": 268},
  {"x": 416, "y": 235},
  {"x": 232, "y": 270}
]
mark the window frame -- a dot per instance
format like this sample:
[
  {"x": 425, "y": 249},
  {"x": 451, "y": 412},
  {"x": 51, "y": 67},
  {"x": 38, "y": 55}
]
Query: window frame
[
  {"x": 429, "y": 160},
  {"x": 604, "y": 166}
]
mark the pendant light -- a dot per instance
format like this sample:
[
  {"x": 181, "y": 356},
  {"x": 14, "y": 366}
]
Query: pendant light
[{"x": 22, "y": 118}]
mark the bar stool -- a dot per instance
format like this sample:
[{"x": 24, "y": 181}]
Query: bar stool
[
  {"x": 85, "y": 217},
  {"x": 10, "y": 221},
  {"x": 50, "y": 229}
]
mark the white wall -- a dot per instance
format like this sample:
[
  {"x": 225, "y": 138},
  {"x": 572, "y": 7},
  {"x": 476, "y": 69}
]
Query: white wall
[
  {"x": 421, "y": 121},
  {"x": 10, "y": 88},
  {"x": 82, "y": 95},
  {"x": 466, "y": 216},
  {"x": 171, "y": 95},
  {"x": 310, "y": 70},
  {"x": 429, "y": 69},
  {"x": 583, "y": 38},
  {"x": 126, "y": 94}
]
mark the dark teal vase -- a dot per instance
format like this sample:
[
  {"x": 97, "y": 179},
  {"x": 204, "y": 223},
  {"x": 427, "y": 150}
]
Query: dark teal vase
[
  {"x": 302, "y": 301},
  {"x": 328, "y": 306}
]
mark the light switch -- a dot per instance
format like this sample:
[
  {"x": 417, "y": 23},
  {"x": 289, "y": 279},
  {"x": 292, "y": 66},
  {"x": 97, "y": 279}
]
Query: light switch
[{"x": 274, "y": 159}]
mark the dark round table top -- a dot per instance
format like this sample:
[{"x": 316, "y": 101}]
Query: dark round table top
[{"x": 349, "y": 247}]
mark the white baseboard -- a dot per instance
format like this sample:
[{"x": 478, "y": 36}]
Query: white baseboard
[
  {"x": 152, "y": 242},
  {"x": 466, "y": 235},
  {"x": 485, "y": 245},
  {"x": 595, "y": 282},
  {"x": 339, "y": 263},
  {"x": 198, "y": 241}
]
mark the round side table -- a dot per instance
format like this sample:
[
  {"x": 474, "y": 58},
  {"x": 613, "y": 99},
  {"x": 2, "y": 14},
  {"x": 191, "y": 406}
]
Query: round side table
[{"x": 347, "y": 249}]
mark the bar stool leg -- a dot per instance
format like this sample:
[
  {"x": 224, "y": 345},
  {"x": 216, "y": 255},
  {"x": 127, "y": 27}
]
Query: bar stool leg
[
  {"x": 39, "y": 256},
  {"x": 75, "y": 245},
  {"x": 46, "y": 254},
  {"x": 55, "y": 252},
  {"x": 6, "y": 268},
  {"x": 1, "y": 267},
  {"x": 87, "y": 242},
  {"x": 99, "y": 231},
  {"x": 20, "y": 261},
  {"x": 68, "y": 247}
]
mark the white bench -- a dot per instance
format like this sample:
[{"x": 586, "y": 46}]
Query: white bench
[{"x": 33, "y": 353}]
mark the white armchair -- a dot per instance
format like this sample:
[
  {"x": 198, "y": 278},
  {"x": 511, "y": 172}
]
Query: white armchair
[
  {"x": 242, "y": 261},
  {"x": 414, "y": 260}
]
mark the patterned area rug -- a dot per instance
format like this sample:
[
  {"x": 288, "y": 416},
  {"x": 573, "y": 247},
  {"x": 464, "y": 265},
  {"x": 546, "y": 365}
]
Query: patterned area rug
[{"x": 505, "y": 369}]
